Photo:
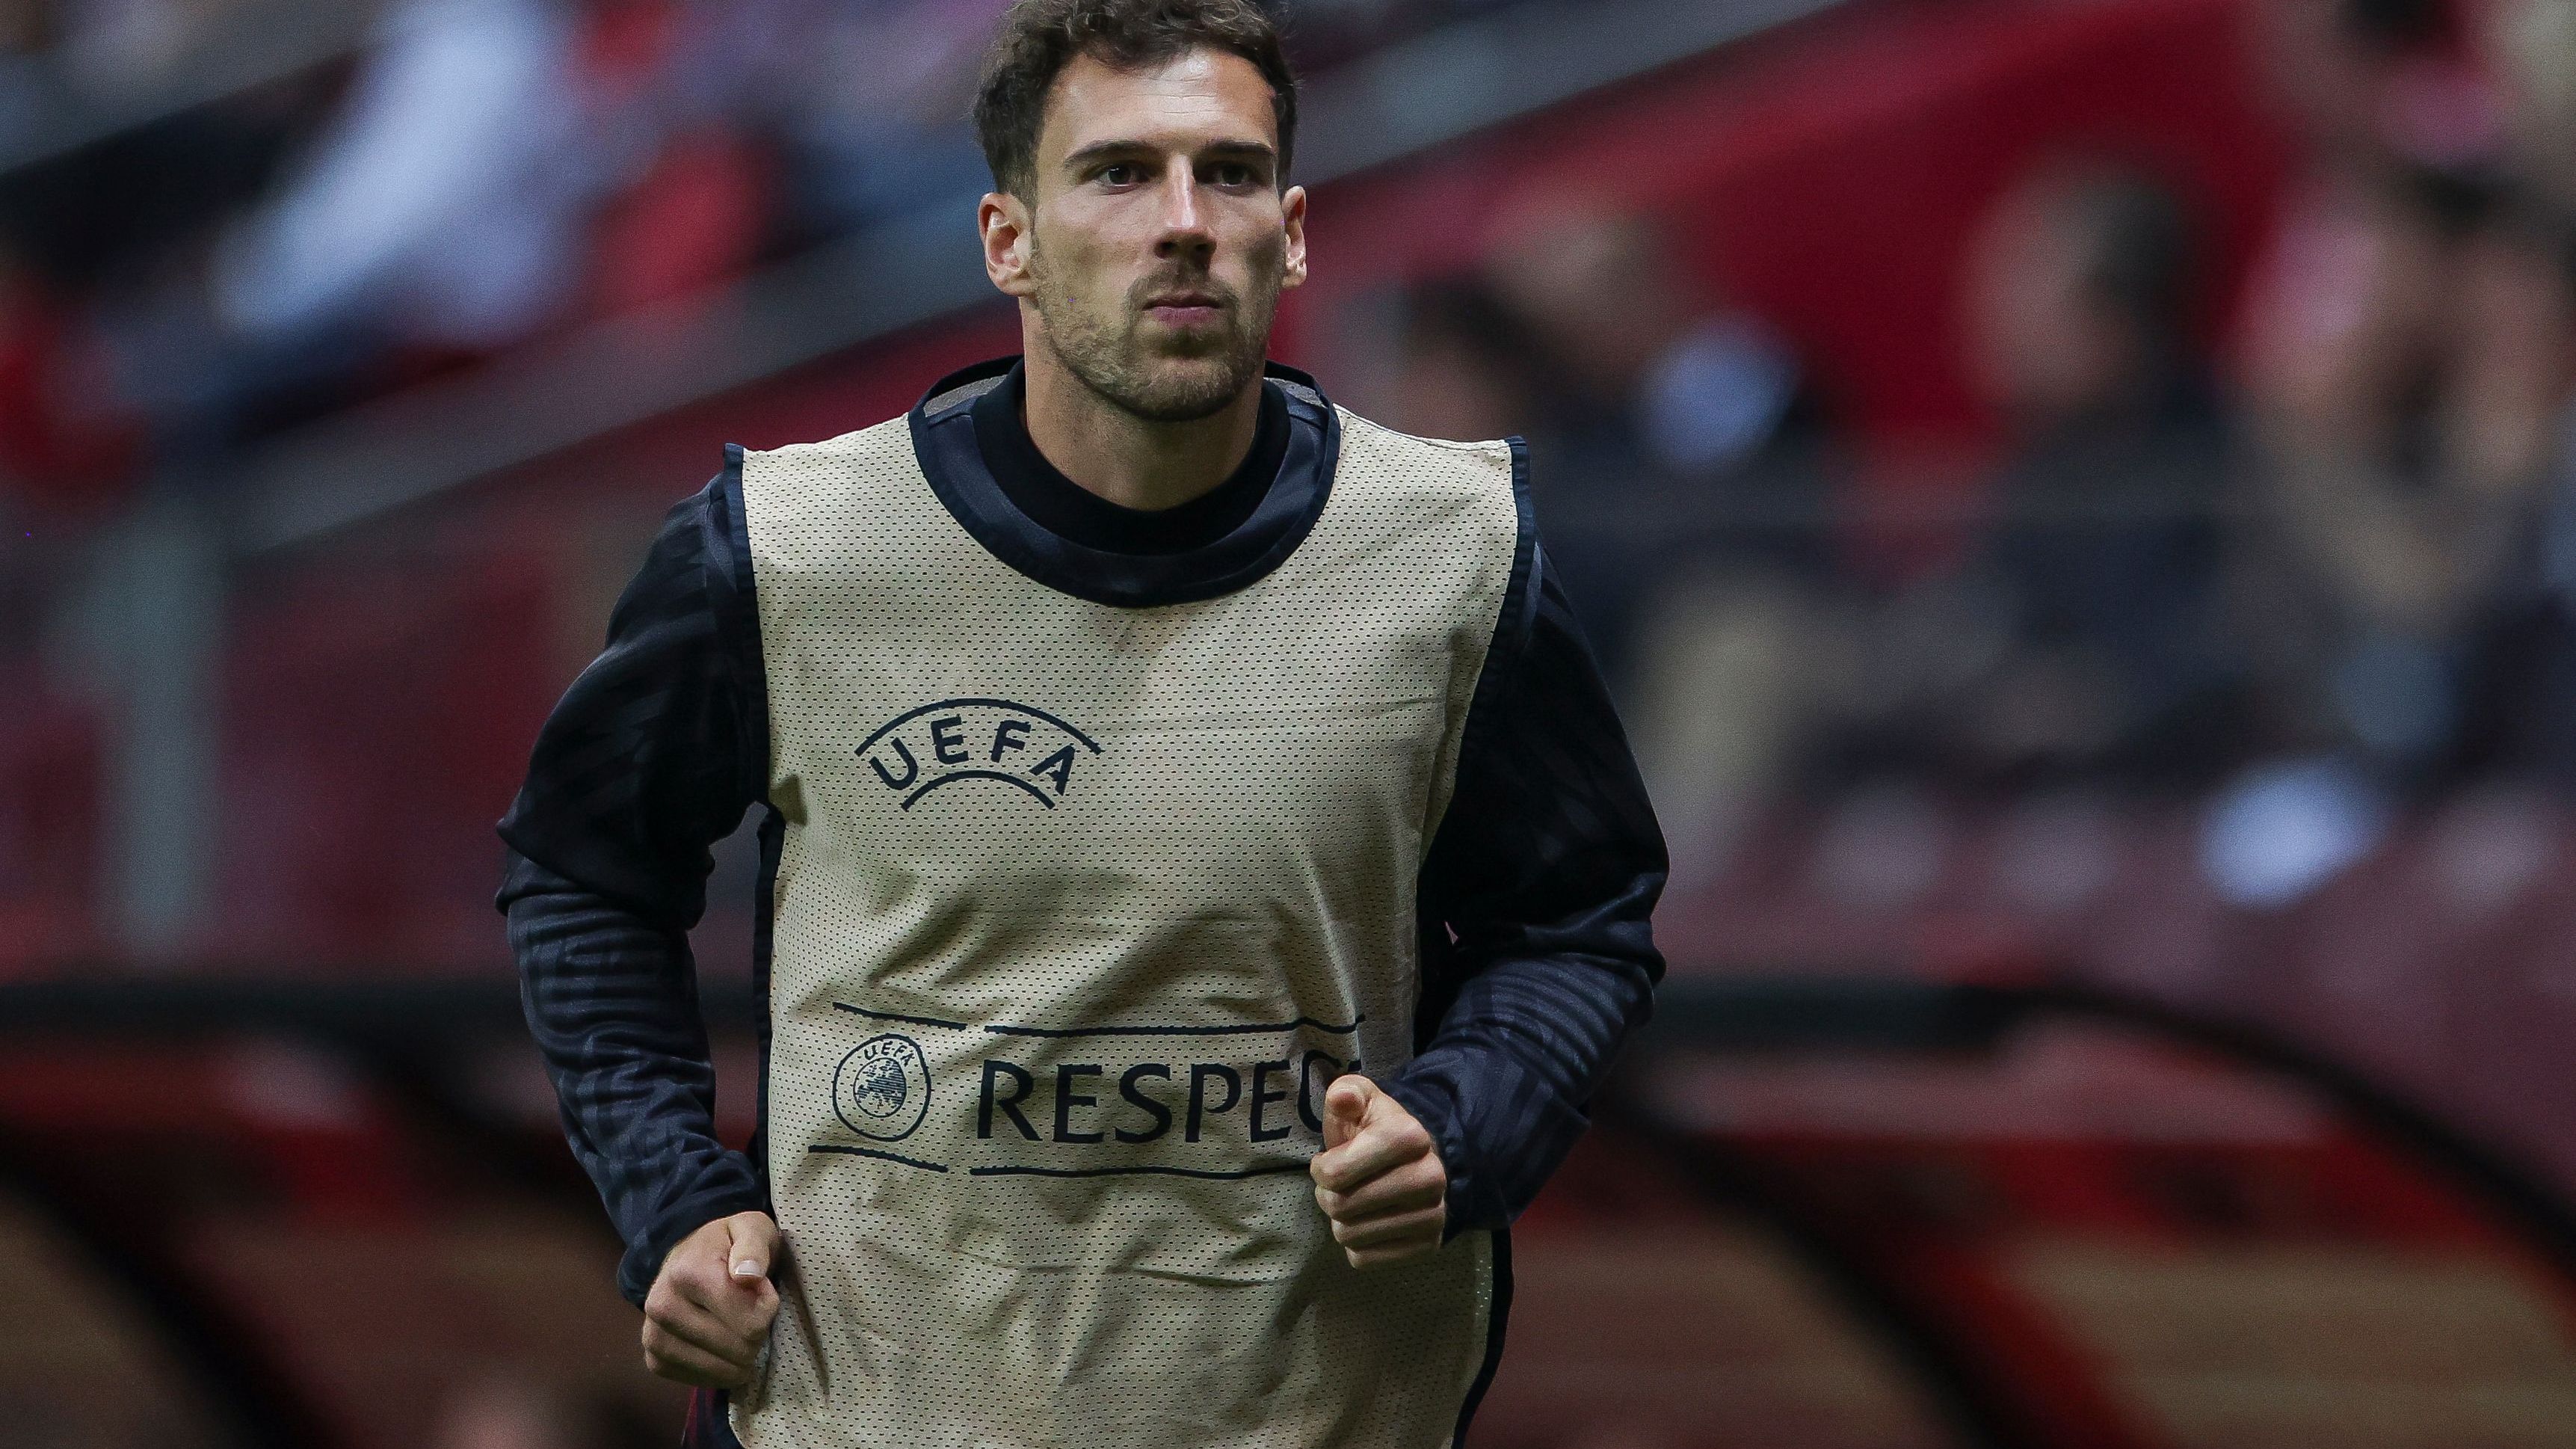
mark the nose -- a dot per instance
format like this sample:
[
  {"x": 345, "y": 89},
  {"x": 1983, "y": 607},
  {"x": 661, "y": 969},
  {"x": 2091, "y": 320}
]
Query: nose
[{"x": 1185, "y": 230}]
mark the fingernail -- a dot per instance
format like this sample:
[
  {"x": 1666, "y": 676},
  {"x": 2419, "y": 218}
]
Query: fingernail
[{"x": 746, "y": 1269}]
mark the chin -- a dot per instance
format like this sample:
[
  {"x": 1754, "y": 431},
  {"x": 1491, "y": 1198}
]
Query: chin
[
  {"x": 1178, "y": 403},
  {"x": 1179, "y": 390}
]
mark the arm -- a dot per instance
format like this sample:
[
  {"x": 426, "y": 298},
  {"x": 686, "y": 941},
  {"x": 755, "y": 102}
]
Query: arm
[
  {"x": 1536, "y": 901},
  {"x": 652, "y": 756}
]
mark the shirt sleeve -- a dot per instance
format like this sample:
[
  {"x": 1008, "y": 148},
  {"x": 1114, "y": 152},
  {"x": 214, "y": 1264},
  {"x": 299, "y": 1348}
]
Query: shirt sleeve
[
  {"x": 651, "y": 757},
  {"x": 1536, "y": 906}
]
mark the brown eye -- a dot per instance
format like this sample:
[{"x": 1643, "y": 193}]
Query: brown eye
[
  {"x": 1233, "y": 173},
  {"x": 1121, "y": 173}
]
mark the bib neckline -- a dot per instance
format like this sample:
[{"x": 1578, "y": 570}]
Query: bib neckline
[{"x": 1248, "y": 528}]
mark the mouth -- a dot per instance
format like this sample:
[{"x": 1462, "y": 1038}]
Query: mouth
[{"x": 1185, "y": 309}]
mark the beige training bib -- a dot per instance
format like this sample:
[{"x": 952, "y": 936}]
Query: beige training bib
[{"x": 1077, "y": 909}]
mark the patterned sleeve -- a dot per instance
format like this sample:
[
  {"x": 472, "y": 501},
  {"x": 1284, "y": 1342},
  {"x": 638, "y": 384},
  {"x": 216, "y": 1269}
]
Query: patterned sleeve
[
  {"x": 652, "y": 756},
  {"x": 1537, "y": 898}
]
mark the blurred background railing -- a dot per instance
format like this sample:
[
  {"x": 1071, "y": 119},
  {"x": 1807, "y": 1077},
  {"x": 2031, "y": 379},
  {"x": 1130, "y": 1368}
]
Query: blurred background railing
[{"x": 2073, "y": 498}]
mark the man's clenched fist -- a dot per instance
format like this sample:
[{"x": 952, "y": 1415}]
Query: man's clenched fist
[
  {"x": 1378, "y": 1177},
  {"x": 711, "y": 1306}
]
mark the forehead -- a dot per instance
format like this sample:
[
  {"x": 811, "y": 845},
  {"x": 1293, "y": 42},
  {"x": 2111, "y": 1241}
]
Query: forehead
[{"x": 1198, "y": 96}]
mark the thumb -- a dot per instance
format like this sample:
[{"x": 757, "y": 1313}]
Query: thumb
[
  {"x": 754, "y": 1246},
  {"x": 1346, "y": 1104}
]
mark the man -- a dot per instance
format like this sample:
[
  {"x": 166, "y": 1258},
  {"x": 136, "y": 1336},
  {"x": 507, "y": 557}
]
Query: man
[{"x": 1204, "y": 879}]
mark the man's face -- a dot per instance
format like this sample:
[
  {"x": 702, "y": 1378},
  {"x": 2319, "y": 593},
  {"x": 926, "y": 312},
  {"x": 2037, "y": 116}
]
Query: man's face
[
  {"x": 1158, "y": 239},
  {"x": 2042, "y": 345}
]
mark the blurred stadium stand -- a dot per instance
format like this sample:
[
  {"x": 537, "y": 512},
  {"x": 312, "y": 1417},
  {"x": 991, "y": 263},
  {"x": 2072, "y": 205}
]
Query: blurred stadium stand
[
  {"x": 1828, "y": 1214},
  {"x": 278, "y": 625}
]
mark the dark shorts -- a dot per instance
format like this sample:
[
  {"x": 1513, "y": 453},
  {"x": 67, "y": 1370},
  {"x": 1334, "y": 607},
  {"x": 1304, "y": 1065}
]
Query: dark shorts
[{"x": 707, "y": 1428}]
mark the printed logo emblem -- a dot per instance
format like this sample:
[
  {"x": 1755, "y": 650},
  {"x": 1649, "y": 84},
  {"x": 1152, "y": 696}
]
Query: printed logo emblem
[
  {"x": 993, "y": 740},
  {"x": 1026, "y": 1101},
  {"x": 881, "y": 1090}
]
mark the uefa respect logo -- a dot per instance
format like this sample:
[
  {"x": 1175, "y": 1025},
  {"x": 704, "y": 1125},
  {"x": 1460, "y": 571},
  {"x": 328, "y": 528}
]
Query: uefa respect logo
[
  {"x": 997, "y": 741},
  {"x": 1076, "y": 1100}
]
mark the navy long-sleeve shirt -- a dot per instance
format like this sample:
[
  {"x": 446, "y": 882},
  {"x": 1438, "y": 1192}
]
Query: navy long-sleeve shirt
[{"x": 1534, "y": 898}]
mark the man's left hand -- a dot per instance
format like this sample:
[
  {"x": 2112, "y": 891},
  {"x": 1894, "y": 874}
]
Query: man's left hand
[{"x": 1378, "y": 1178}]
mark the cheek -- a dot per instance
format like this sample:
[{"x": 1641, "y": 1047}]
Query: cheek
[
  {"x": 1067, "y": 270},
  {"x": 1075, "y": 238},
  {"x": 1255, "y": 263},
  {"x": 1266, "y": 245}
]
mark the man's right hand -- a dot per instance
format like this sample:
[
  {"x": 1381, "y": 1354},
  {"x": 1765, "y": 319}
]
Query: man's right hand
[{"x": 711, "y": 1306}]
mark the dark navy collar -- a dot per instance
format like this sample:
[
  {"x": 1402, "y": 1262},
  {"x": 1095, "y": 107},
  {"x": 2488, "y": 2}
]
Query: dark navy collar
[
  {"x": 1213, "y": 545},
  {"x": 1068, "y": 510}
]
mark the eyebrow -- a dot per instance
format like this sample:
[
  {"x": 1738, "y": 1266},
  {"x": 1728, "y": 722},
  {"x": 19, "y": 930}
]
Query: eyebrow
[{"x": 1102, "y": 150}]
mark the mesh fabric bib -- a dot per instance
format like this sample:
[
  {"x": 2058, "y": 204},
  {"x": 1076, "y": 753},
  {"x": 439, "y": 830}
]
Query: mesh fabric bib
[{"x": 1077, "y": 910}]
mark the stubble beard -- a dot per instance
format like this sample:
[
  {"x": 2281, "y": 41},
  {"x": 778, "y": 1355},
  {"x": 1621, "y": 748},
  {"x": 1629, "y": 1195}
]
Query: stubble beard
[{"x": 1110, "y": 355}]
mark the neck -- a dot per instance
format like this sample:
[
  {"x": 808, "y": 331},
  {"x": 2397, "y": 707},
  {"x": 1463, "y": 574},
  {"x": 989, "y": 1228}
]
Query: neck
[{"x": 1125, "y": 459}]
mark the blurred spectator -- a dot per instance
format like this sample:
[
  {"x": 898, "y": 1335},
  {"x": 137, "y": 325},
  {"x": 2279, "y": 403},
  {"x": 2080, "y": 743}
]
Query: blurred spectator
[
  {"x": 84, "y": 232},
  {"x": 2380, "y": 582},
  {"x": 480, "y": 170},
  {"x": 2397, "y": 573},
  {"x": 1672, "y": 424},
  {"x": 2343, "y": 348},
  {"x": 2080, "y": 637},
  {"x": 440, "y": 207},
  {"x": 1679, "y": 478},
  {"x": 1463, "y": 364},
  {"x": 2103, "y": 567},
  {"x": 441, "y": 202},
  {"x": 500, "y": 166},
  {"x": 2407, "y": 436}
]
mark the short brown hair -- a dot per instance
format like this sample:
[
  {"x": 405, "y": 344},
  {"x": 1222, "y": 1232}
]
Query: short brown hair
[{"x": 1039, "y": 38}]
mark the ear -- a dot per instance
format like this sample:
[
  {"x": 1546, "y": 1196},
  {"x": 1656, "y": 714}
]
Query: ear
[
  {"x": 1004, "y": 220},
  {"x": 1292, "y": 211}
]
